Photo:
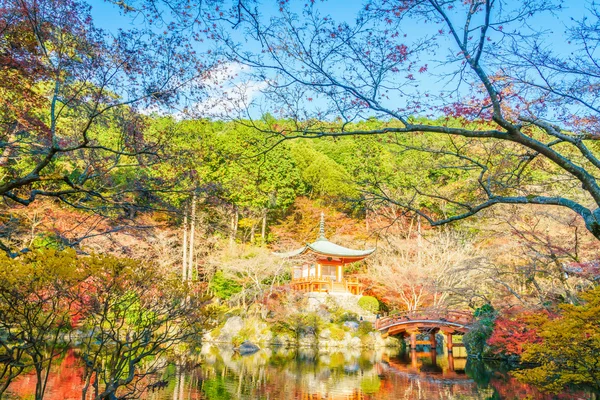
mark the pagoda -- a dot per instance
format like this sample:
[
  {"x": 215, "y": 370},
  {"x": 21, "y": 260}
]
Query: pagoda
[{"x": 325, "y": 270}]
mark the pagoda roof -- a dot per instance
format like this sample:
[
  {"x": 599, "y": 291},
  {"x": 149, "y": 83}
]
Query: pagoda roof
[{"x": 324, "y": 247}]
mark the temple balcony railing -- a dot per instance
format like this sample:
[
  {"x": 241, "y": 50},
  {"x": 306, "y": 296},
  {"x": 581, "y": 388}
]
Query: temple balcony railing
[{"x": 314, "y": 284}]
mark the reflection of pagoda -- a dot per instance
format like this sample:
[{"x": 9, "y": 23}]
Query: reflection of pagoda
[{"x": 326, "y": 274}]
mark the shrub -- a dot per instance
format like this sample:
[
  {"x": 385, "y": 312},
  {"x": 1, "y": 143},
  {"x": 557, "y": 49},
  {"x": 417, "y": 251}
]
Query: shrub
[
  {"x": 369, "y": 303},
  {"x": 224, "y": 287},
  {"x": 337, "y": 333},
  {"x": 347, "y": 316},
  {"x": 248, "y": 331},
  {"x": 475, "y": 340},
  {"x": 310, "y": 323},
  {"x": 297, "y": 324},
  {"x": 364, "y": 328},
  {"x": 338, "y": 314},
  {"x": 237, "y": 340}
]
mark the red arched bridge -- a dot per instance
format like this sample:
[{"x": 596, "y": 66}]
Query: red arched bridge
[{"x": 419, "y": 322}]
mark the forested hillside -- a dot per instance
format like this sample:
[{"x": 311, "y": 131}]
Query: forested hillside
[{"x": 250, "y": 192}]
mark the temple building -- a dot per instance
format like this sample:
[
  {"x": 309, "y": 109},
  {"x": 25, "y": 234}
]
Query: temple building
[{"x": 324, "y": 270}]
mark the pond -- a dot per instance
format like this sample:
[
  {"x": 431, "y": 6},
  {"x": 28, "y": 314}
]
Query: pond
[{"x": 220, "y": 374}]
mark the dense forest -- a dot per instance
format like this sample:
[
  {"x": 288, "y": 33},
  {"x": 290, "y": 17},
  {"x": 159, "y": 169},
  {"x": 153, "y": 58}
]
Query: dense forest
[{"x": 151, "y": 229}]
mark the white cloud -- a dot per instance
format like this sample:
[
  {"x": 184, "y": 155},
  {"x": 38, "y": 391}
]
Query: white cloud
[
  {"x": 230, "y": 90},
  {"x": 227, "y": 92}
]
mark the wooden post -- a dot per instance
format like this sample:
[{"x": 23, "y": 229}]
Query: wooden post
[
  {"x": 432, "y": 340},
  {"x": 449, "y": 344},
  {"x": 318, "y": 271},
  {"x": 413, "y": 340},
  {"x": 339, "y": 273}
]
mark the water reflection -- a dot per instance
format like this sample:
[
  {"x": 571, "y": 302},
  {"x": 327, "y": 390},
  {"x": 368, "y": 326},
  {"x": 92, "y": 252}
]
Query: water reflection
[{"x": 221, "y": 374}]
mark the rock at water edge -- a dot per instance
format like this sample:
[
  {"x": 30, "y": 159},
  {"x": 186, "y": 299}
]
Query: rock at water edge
[{"x": 247, "y": 347}]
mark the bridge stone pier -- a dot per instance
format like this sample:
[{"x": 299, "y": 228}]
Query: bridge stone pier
[{"x": 412, "y": 324}]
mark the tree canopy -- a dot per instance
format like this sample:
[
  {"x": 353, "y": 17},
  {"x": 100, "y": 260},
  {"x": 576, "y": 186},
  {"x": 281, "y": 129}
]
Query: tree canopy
[{"x": 518, "y": 107}]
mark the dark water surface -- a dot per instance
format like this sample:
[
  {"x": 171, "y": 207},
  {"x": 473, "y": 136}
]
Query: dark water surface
[{"x": 221, "y": 374}]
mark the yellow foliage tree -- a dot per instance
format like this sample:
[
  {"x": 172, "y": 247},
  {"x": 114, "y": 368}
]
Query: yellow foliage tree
[
  {"x": 134, "y": 314},
  {"x": 38, "y": 292},
  {"x": 570, "y": 351},
  {"x": 128, "y": 313}
]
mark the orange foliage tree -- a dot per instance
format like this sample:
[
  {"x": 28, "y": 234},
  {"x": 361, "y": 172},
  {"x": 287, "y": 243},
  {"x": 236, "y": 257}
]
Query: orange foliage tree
[
  {"x": 512, "y": 333},
  {"x": 302, "y": 225}
]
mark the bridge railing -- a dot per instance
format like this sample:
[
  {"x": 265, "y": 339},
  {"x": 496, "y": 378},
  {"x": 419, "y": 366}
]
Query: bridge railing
[{"x": 457, "y": 317}]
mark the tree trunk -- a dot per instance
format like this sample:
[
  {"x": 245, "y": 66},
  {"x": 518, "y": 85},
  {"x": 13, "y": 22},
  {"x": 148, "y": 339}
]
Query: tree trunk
[
  {"x": 192, "y": 231},
  {"x": 263, "y": 231},
  {"x": 419, "y": 242},
  {"x": 5, "y": 386},
  {"x": 185, "y": 229},
  {"x": 234, "y": 225},
  {"x": 39, "y": 393},
  {"x": 10, "y": 146}
]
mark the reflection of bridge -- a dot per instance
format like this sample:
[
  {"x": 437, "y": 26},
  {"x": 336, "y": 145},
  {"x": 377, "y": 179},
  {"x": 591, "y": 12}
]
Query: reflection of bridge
[
  {"x": 411, "y": 324},
  {"x": 431, "y": 372}
]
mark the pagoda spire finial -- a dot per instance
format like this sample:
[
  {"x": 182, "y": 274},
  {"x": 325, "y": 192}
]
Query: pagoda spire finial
[{"x": 322, "y": 226}]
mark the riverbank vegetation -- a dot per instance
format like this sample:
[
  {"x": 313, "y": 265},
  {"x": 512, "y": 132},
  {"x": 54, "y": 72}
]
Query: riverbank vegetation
[
  {"x": 121, "y": 314},
  {"x": 128, "y": 228}
]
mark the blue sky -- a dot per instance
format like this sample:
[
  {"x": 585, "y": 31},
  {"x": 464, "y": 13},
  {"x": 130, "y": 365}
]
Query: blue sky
[{"x": 108, "y": 17}]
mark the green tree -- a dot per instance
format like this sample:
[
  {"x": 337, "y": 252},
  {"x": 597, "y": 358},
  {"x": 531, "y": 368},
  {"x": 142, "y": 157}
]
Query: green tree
[{"x": 322, "y": 175}]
